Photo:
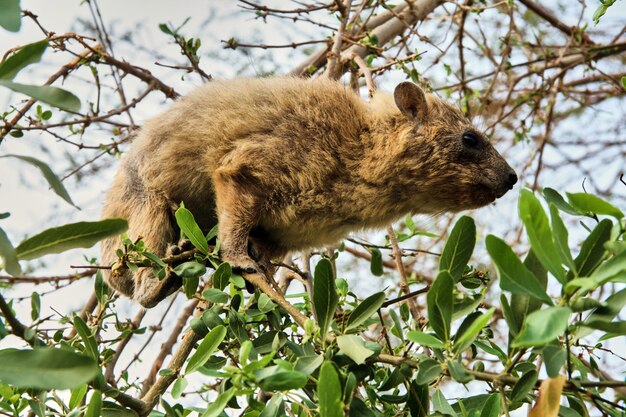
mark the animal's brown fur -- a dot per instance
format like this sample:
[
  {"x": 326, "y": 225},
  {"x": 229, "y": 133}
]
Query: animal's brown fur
[{"x": 289, "y": 164}]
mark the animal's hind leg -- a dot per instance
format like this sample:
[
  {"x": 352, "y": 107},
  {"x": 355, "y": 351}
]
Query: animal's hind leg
[
  {"x": 149, "y": 217},
  {"x": 154, "y": 223}
]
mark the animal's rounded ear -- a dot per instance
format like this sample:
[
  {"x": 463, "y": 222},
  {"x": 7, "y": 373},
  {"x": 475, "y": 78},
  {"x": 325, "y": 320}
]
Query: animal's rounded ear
[{"x": 411, "y": 101}]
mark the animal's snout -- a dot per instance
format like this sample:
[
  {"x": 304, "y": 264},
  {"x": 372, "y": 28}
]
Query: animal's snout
[{"x": 512, "y": 180}]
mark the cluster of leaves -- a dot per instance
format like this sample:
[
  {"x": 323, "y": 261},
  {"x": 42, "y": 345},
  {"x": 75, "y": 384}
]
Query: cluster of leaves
[{"x": 335, "y": 363}]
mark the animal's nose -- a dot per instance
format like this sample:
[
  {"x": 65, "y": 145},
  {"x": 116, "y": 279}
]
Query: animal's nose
[{"x": 512, "y": 180}]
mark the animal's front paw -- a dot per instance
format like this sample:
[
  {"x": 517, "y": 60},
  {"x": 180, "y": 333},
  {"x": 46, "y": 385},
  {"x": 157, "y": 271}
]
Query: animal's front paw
[{"x": 242, "y": 263}]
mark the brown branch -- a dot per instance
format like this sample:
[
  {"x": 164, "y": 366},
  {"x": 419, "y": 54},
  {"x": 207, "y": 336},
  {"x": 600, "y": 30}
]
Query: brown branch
[
  {"x": 110, "y": 367},
  {"x": 166, "y": 347},
  {"x": 22, "y": 279},
  {"x": 62, "y": 72},
  {"x": 549, "y": 17},
  {"x": 404, "y": 285}
]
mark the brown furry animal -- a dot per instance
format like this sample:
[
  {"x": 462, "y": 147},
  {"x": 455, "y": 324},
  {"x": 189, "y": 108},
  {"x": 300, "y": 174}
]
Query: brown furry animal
[{"x": 288, "y": 164}]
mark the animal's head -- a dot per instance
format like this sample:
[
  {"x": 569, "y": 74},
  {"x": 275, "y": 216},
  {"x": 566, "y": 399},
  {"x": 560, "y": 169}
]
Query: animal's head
[{"x": 463, "y": 170}]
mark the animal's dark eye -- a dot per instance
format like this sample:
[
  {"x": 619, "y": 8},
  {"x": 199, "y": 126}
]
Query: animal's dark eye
[{"x": 470, "y": 140}]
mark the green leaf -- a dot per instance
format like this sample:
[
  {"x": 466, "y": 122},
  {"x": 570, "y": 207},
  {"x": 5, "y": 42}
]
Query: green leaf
[
  {"x": 523, "y": 386},
  {"x": 592, "y": 251},
  {"x": 273, "y": 407},
  {"x": 69, "y": 236},
  {"x": 54, "y": 181},
  {"x": 459, "y": 247},
  {"x": 283, "y": 381},
  {"x": 190, "y": 228},
  {"x": 542, "y": 327},
  {"x": 491, "y": 407},
  {"x": 614, "y": 267},
  {"x": 215, "y": 296},
  {"x": 91, "y": 346},
  {"x": 353, "y": 346},
  {"x": 424, "y": 339},
  {"x": 53, "y": 96},
  {"x": 561, "y": 238},
  {"x": 216, "y": 407},
  {"x": 10, "y": 15},
  {"x": 46, "y": 368},
  {"x": 427, "y": 371},
  {"x": 222, "y": 275},
  {"x": 265, "y": 303},
  {"x": 308, "y": 364},
  {"x": 554, "y": 357},
  {"x": 417, "y": 403},
  {"x": 441, "y": 404},
  {"x": 95, "y": 404},
  {"x": 514, "y": 276},
  {"x": 77, "y": 396},
  {"x": 35, "y": 305},
  {"x": 376, "y": 263},
  {"x": 179, "y": 387},
  {"x": 593, "y": 204},
  {"x": 439, "y": 300},
  {"x": 325, "y": 297},
  {"x": 208, "y": 345},
  {"x": 523, "y": 304},
  {"x": 329, "y": 392},
  {"x": 612, "y": 307},
  {"x": 9, "y": 255},
  {"x": 553, "y": 197},
  {"x": 365, "y": 310},
  {"x": 28, "y": 54},
  {"x": 466, "y": 338},
  {"x": 190, "y": 269},
  {"x": 539, "y": 233}
]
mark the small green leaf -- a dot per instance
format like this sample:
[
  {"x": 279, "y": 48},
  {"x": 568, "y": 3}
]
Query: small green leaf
[
  {"x": 9, "y": 255},
  {"x": 329, "y": 392},
  {"x": 190, "y": 269},
  {"x": 215, "y": 408},
  {"x": 592, "y": 251},
  {"x": 54, "y": 181},
  {"x": 417, "y": 403},
  {"x": 10, "y": 15},
  {"x": 614, "y": 267},
  {"x": 190, "y": 228},
  {"x": 215, "y": 296},
  {"x": 353, "y": 346},
  {"x": 95, "y": 404},
  {"x": 27, "y": 54},
  {"x": 553, "y": 197},
  {"x": 523, "y": 386},
  {"x": 513, "y": 274},
  {"x": 427, "y": 371},
  {"x": 91, "y": 346},
  {"x": 308, "y": 364},
  {"x": 466, "y": 338},
  {"x": 283, "y": 381},
  {"x": 179, "y": 387},
  {"x": 265, "y": 304},
  {"x": 539, "y": 233},
  {"x": 69, "y": 236},
  {"x": 613, "y": 305},
  {"x": 46, "y": 368},
  {"x": 208, "y": 345},
  {"x": 365, "y": 310},
  {"x": 442, "y": 405},
  {"x": 53, "y": 96},
  {"x": 491, "y": 407},
  {"x": 459, "y": 247},
  {"x": 440, "y": 301},
  {"x": 554, "y": 357},
  {"x": 561, "y": 238},
  {"x": 376, "y": 263},
  {"x": 543, "y": 326},
  {"x": 424, "y": 339},
  {"x": 593, "y": 204},
  {"x": 222, "y": 275},
  {"x": 325, "y": 297},
  {"x": 35, "y": 305},
  {"x": 77, "y": 396}
]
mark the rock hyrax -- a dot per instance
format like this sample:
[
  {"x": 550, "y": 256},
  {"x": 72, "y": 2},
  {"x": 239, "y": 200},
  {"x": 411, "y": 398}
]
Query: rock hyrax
[{"x": 288, "y": 164}]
